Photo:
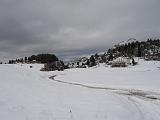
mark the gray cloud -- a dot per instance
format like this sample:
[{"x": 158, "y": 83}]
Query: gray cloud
[{"x": 73, "y": 27}]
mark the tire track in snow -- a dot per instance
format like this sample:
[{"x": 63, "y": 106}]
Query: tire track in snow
[
  {"x": 132, "y": 94},
  {"x": 145, "y": 95},
  {"x": 147, "y": 109},
  {"x": 141, "y": 114}
]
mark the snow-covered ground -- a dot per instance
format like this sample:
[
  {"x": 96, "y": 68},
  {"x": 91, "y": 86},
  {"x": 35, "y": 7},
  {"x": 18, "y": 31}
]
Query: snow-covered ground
[
  {"x": 146, "y": 75},
  {"x": 101, "y": 93}
]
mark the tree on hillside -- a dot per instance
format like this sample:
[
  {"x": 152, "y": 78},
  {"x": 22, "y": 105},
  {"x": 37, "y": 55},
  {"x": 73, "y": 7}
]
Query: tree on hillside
[
  {"x": 110, "y": 58},
  {"x": 92, "y": 61},
  {"x": 139, "y": 51},
  {"x": 26, "y": 59},
  {"x": 46, "y": 58},
  {"x": 96, "y": 56}
]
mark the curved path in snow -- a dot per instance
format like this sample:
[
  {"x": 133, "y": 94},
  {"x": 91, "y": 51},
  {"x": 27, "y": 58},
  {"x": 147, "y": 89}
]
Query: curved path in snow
[
  {"x": 146, "y": 95},
  {"x": 146, "y": 103}
]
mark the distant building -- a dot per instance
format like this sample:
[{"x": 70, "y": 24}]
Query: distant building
[{"x": 121, "y": 62}]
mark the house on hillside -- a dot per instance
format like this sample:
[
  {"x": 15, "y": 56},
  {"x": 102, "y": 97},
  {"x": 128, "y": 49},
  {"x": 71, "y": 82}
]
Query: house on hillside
[
  {"x": 121, "y": 62},
  {"x": 152, "y": 54}
]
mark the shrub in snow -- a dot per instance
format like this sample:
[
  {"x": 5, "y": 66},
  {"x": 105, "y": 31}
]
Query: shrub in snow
[{"x": 57, "y": 65}]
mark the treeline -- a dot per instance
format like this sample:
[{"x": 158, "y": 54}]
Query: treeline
[
  {"x": 40, "y": 58},
  {"x": 50, "y": 61},
  {"x": 137, "y": 49},
  {"x": 149, "y": 50}
]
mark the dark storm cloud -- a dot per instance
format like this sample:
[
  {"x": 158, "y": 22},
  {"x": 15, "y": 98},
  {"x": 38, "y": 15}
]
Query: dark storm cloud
[{"x": 73, "y": 27}]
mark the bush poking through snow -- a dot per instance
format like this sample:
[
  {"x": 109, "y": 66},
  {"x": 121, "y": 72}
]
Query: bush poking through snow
[{"x": 57, "y": 65}]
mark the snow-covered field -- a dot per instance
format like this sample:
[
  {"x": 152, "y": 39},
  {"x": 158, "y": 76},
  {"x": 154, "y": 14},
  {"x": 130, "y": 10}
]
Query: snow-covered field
[{"x": 101, "y": 93}]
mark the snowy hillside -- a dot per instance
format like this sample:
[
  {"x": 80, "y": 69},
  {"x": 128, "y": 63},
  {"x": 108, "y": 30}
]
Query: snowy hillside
[
  {"x": 97, "y": 93},
  {"x": 130, "y": 40}
]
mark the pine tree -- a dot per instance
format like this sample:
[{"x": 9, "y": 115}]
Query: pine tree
[
  {"x": 139, "y": 52},
  {"x": 92, "y": 61},
  {"x": 110, "y": 58},
  {"x": 26, "y": 59}
]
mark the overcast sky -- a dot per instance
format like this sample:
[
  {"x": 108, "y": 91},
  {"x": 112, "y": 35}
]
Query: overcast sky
[{"x": 71, "y": 28}]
